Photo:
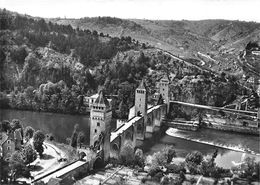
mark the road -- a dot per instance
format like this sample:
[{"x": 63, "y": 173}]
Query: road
[
  {"x": 50, "y": 160},
  {"x": 48, "y": 163}
]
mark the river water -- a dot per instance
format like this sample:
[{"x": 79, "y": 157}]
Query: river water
[{"x": 232, "y": 147}]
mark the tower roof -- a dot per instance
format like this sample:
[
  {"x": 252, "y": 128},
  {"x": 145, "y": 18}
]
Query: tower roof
[
  {"x": 101, "y": 99},
  {"x": 165, "y": 77},
  {"x": 142, "y": 85}
]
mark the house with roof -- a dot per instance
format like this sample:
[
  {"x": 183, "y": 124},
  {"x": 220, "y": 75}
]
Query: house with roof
[
  {"x": 18, "y": 138},
  {"x": 7, "y": 146},
  {"x": 89, "y": 101}
]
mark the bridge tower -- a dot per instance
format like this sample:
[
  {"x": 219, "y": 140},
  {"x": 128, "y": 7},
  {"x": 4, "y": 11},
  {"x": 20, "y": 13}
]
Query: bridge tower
[
  {"x": 100, "y": 118},
  {"x": 164, "y": 90},
  {"x": 141, "y": 107}
]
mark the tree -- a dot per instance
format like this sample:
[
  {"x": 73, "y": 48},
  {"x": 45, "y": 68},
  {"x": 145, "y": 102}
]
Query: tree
[
  {"x": 139, "y": 157},
  {"x": 29, "y": 153},
  {"x": 159, "y": 159},
  {"x": 38, "y": 140},
  {"x": 16, "y": 124},
  {"x": 250, "y": 169},
  {"x": 194, "y": 157},
  {"x": 81, "y": 138},
  {"x": 38, "y": 136},
  {"x": 29, "y": 95},
  {"x": 17, "y": 165},
  {"x": 18, "y": 55},
  {"x": 162, "y": 158},
  {"x": 4, "y": 101},
  {"x": 74, "y": 137},
  {"x": 4, "y": 170},
  {"x": 29, "y": 131},
  {"x": 5, "y": 126},
  {"x": 126, "y": 155},
  {"x": 170, "y": 152},
  {"x": 39, "y": 148},
  {"x": 123, "y": 110}
]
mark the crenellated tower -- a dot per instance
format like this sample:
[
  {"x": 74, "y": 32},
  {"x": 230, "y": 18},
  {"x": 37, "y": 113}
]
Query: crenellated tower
[
  {"x": 141, "y": 108},
  {"x": 101, "y": 115},
  {"x": 164, "y": 90},
  {"x": 141, "y": 100}
]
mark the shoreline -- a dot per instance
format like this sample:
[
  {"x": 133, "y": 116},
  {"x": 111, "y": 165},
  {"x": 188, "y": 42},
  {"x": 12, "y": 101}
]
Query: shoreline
[{"x": 37, "y": 111}]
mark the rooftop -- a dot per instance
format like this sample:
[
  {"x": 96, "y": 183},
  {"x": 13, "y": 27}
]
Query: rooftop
[
  {"x": 142, "y": 85},
  {"x": 101, "y": 99},
  {"x": 3, "y": 137}
]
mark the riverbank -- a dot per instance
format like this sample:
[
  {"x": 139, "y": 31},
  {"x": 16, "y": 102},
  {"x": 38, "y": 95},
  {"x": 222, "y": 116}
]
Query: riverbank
[
  {"x": 87, "y": 113},
  {"x": 174, "y": 132},
  {"x": 235, "y": 129}
]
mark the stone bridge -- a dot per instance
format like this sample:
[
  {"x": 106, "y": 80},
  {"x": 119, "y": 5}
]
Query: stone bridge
[
  {"x": 136, "y": 128},
  {"x": 142, "y": 121}
]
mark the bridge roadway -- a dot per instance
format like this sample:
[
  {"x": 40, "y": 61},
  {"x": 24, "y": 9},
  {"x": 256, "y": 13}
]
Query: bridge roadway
[
  {"x": 124, "y": 127},
  {"x": 129, "y": 123}
]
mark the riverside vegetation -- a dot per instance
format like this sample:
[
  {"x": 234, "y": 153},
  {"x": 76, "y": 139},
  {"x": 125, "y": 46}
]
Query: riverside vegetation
[
  {"x": 21, "y": 162},
  {"x": 162, "y": 168}
]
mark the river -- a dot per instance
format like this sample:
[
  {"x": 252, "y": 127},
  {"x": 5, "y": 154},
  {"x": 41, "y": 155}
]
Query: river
[
  {"x": 231, "y": 146},
  {"x": 60, "y": 125}
]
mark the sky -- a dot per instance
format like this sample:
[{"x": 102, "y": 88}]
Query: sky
[{"x": 245, "y": 10}]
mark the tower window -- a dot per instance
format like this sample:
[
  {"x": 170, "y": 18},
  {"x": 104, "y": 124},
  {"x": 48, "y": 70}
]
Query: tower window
[
  {"x": 98, "y": 124},
  {"x": 8, "y": 148},
  {"x": 95, "y": 130}
]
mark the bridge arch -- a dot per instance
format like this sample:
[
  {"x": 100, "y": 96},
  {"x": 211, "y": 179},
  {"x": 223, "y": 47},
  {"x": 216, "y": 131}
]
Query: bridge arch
[
  {"x": 129, "y": 135},
  {"x": 149, "y": 121},
  {"x": 115, "y": 147},
  {"x": 98, "y": 163},
  {"x": 140, "y": 127}
]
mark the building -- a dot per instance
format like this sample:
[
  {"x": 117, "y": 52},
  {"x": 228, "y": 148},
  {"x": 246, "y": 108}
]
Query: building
[
  {"x": 89, "y": 101},
  {"x": 164, "y": 90},
  {"x": 101, "y": 115},
  {"x": 7, "y": 146},
  {"x": 18, "y": 139},
  {"x": 141, "y": 100}
]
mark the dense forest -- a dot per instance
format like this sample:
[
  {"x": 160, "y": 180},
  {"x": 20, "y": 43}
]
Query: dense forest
[
  {"x": 49, "y": 67},
  {"x": 35, "y": 52}
]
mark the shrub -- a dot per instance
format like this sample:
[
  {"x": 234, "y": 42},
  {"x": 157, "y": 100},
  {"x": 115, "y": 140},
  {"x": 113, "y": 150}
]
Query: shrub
[
  {"x": 126, "y": 155},
  {"x": 139, "y": 157},
  {"x": 193, "y": 180},
  {"x": 143, "y": 180},
  {"x": 38, "y": 140},
  {"x": 158, "y": 176},
  {"x": 174, "y": 168},
  {"x": 29, "y": 154},
  {"x": 193, "y": 168},
  {"x": 29, "y": 131},
  {"x": 153, "y": 171},
  {"x": 194, "y": 157}
]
